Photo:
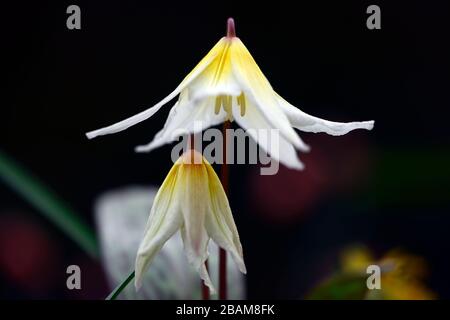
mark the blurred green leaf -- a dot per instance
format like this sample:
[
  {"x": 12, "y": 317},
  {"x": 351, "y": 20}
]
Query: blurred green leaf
[
  {"x": 47, "y": 203},
  {"x": 340, "y": 287}
]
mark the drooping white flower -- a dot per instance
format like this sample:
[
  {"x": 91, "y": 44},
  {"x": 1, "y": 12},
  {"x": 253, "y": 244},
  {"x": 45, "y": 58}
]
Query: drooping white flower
[
  {"x": 227, "y": 84},
  {"x": 191, "y": 200},
  {"x": 121, "y": 215}
]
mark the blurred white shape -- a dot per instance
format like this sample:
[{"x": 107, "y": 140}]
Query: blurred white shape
[{"x": 121, "y": 216}]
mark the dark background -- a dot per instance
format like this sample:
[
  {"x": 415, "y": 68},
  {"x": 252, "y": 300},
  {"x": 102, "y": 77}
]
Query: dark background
[{"x": 385, "y": 188}]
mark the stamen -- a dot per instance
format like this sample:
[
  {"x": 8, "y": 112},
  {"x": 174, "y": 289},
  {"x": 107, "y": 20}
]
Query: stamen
[
  {"x": 241, "y": 103},
  {"x": 218, "y": 104},
  {"x": 225, "y": 101}
]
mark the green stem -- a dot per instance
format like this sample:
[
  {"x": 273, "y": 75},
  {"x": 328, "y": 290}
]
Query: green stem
[
  {"x": 44, "y": 200},
  {"x": 113, "y": 295}
]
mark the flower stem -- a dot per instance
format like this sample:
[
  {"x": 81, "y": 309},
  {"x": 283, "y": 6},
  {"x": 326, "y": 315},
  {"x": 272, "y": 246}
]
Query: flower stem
[
  {"x": 113, "y": 295},
  {"x": 222, "y": 274},
  {"x": 224, "y": 177}
]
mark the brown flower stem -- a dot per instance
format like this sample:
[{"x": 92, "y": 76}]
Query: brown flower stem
[{"x": 224, "y": 177}]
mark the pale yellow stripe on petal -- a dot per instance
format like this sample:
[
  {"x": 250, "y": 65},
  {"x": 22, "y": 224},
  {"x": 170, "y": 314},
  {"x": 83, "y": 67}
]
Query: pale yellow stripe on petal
[
  {"x": 209, "y": 59},
  {"x": 217, "y": 79}
]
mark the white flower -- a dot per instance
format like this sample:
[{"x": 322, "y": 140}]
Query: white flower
[
  {"x": 121, "y": 215},
  {"x": 192, "y": 200},
  {"x": 227, "y": 84}
]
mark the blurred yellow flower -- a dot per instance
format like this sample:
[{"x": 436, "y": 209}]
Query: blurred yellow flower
[{"x": 402, "y": 274}]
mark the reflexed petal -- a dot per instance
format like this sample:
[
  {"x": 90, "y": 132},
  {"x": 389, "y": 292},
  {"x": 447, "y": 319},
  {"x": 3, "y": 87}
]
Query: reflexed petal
[
  {"x": 220, "y": 223},
  {"x": 193, "y": 183},
  {"x": 185, "y": 117},
  {"x": 308, "y": 123},
  {"x": 164, "y": 220},
  {"x": 144, "y": 115},
  {"x": 259, "y": 91},
  {"x": 261, "y": 131}
]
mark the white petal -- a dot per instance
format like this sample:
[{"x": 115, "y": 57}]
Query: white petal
[
  {"x": 198, "y": 261},
  {"x": 220, "y": 223},
  {"x": 308, "y": 123},
  {"x": 144, "y": 115},
  {"x": 164, "y": 220},
  {"x": 258, "y": 90},
  {"x": 186, "y": 117},
  {"x": 193, "y": 180},
  {"x": 262, "y": 131}
]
